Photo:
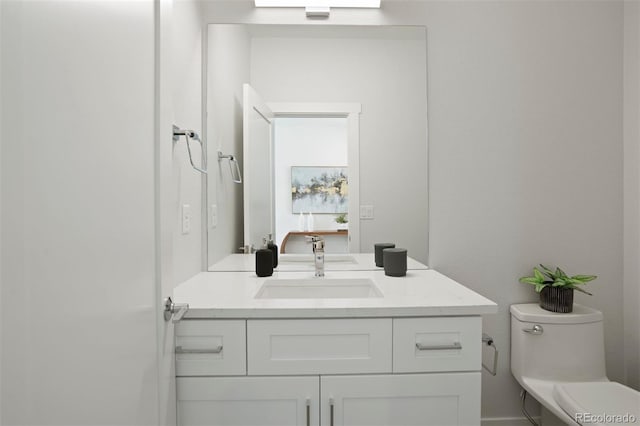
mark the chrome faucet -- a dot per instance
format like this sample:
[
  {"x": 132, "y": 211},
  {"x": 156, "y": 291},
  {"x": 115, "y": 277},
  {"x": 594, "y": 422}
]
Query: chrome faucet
[{"x": 318, "y": 253}]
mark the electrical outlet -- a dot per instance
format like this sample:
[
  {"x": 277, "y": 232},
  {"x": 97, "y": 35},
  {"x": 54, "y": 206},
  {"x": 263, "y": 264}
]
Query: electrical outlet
[
  {"x": 366, "y": 212},
  {"x": 186, "y": 219},
  {"x": 213, "y": 216}
]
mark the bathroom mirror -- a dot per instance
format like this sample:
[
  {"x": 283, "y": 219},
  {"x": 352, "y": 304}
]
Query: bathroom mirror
[{"x": 381, "y": 71}]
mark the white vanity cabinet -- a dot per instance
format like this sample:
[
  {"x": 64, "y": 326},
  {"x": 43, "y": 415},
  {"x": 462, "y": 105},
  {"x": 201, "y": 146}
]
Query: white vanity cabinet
[{"x": 333, "y": 372}]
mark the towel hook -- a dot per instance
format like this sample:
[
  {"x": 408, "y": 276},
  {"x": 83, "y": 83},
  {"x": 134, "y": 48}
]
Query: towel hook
[
  {"x": 237, "y": 176},
  {"x": 190, "y": 135}
]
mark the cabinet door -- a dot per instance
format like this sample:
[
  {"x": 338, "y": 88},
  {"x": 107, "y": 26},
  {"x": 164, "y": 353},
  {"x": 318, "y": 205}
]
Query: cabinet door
[
  {"x": 248, "y": 401},
  {"x": 437, "y": 399}
]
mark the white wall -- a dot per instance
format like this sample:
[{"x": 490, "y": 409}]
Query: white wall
[
  {"x": 229, "y": 45},
  {"x": 186, "y": 87},
  {"x": 2, "y": 40},
  {"x": 526, "y": 158},
  {"x": 632, "y": 192},
  {"x": 78, "y": 313},
  {"x": 304, "y": 141},
  {"x": 387, "y": 77},
  {"x": 178, "y": 57},
  {"x": 525, "y": 149}
]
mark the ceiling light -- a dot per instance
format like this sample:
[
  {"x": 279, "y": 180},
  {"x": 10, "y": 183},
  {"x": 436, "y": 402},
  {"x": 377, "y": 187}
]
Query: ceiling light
[{"x": 318, "y": 3}]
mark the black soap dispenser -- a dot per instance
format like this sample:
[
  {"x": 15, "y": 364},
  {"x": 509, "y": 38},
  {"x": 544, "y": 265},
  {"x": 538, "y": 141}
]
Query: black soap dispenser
[
  {"x": 274, "y": 249},
  {"x": 264, "y": 260}
]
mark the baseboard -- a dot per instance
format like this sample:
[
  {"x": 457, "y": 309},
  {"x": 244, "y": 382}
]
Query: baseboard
[{"x": 507, "y": 421}]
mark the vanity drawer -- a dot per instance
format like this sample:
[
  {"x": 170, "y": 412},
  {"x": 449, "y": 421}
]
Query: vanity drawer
[
  {"x": 211, "y": 348},
  {"x": 323, "y": 346},
  {"x": 437, "y": 344}
]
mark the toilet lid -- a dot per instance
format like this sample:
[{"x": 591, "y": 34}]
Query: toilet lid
[{"x": 598, "y": 403}]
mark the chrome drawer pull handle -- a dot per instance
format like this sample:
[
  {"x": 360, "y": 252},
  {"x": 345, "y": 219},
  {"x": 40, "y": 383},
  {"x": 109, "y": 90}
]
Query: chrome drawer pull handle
[
  {"x": 331, "y": 412},
  {"x": 216, "y": 350},
  {"x": 421, "y": 347},
  {"x": 537, "y": 329}
]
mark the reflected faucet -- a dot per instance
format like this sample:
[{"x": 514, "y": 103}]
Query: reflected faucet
[{"x": 318, "y": 253}]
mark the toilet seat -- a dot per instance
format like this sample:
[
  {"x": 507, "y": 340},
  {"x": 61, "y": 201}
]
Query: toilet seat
[{"x": 598, "y": 403}]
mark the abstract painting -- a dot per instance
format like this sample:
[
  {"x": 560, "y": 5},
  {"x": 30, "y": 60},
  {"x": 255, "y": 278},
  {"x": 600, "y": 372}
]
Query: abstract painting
[{"x": 319, "y": 189}]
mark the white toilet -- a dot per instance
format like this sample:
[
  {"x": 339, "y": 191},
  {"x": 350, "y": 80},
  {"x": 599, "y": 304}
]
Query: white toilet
[{"x": 559, "y": 360}]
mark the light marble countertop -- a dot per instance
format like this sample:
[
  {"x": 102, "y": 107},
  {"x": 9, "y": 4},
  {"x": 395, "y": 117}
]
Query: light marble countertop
[
  {"x": 419, "y": 293},
  {"x": 304, "y": 262}
]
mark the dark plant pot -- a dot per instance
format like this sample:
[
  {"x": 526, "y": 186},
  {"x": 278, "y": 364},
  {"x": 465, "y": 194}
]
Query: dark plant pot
[{"x": 557, "y": 299}]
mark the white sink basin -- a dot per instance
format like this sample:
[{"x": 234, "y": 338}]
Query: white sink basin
[
  {"x": 308, "y": 258},
  {"x": 318, "y": 288}
]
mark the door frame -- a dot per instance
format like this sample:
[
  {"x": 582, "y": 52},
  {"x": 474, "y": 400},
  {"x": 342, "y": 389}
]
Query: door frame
[
  {"x": 252, "y": 101},
  {"x": 351, "y": 111}
]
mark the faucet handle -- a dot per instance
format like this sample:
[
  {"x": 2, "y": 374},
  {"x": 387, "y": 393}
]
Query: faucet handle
[
  {"x": 249, "y": 249},
  {"x": 317, "y": 241}
]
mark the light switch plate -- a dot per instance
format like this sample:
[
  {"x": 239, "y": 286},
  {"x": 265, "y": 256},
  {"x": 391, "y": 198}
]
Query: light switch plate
[
  {"x": 186, "y": 218},
  {"x": 213, "y": 216},
  {"x": 366, "y": 212}
]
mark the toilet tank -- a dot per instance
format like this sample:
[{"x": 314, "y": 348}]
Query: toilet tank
[{"x": 569, "y": 347}]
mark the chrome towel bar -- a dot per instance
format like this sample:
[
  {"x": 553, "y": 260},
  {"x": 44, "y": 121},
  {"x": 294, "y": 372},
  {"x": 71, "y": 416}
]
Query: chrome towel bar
[
  {"x": 190, "y": 135},
  {"x": 236, "y": 176}
]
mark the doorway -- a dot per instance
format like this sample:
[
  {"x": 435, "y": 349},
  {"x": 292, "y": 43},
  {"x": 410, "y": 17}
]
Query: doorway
[
  {"x": 311, "y": 178},
  {"x": 316, "y": 170}
]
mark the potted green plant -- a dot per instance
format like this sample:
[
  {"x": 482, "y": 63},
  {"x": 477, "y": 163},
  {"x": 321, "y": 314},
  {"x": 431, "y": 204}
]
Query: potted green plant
[
  {"x": 556, "y": 287},
  {"x": 342, "y": 221}
]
